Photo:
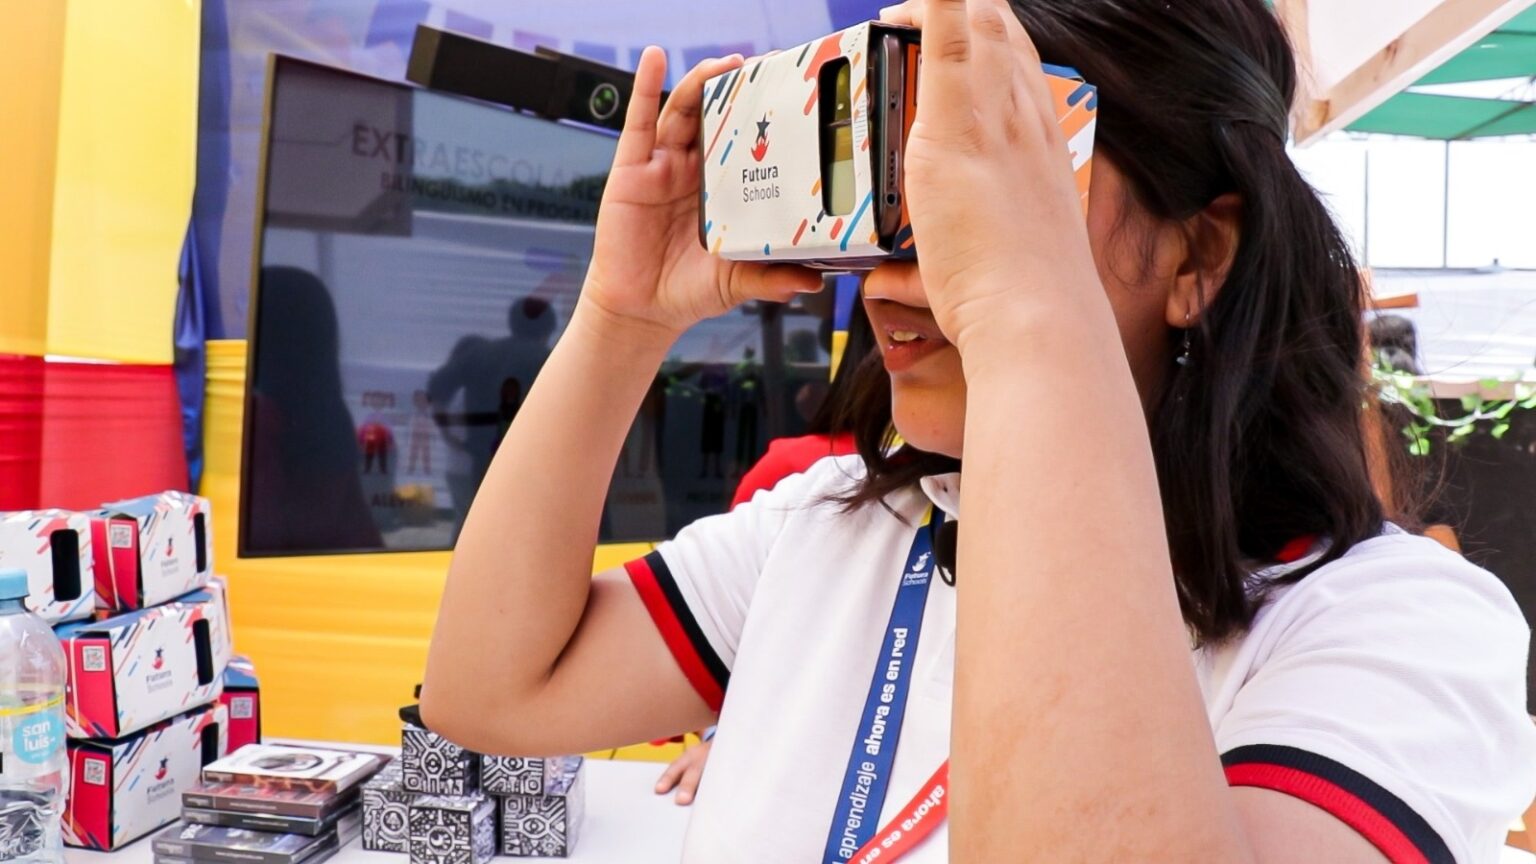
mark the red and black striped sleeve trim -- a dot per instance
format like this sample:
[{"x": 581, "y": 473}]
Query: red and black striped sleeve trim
[
  {"x": 695, "y": 656},
  {"x": 1378, "y": 815}
]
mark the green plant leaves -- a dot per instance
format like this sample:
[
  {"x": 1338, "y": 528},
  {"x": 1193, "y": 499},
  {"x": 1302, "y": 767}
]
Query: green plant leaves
[{"x": 1478, "y": 410}]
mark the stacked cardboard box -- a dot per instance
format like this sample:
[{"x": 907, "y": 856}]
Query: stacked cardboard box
[
  {"x": 146, "y": 634},
  {"x": 242, "y": 696}
]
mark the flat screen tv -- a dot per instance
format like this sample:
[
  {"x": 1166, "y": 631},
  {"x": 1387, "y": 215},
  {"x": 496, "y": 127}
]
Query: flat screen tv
[{"x": 418, "y": 255}]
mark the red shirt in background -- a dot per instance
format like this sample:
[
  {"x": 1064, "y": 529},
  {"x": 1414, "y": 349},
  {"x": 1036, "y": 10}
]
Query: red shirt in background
[{"x": 788, "y": 456}]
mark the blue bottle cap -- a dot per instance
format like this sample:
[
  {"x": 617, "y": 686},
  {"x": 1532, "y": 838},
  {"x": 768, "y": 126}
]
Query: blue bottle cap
[{"x": 13, "y": 584}]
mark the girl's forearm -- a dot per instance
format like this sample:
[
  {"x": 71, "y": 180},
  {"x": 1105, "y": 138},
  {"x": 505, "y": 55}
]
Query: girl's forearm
[
  {"x": 522, "y": 567},
  {"x": 1076, "y": 711}
]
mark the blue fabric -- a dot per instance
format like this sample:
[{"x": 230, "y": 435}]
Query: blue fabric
[
  {"x": 191, "y": 359},
  {"x": 214, "y": 171},
  {"x": 846, "y": 294}
]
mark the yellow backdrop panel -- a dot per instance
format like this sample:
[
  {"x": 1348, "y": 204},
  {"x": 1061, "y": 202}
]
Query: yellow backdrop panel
[
  {"x": 127, "y": 135},
  {"x": 31, "y": 64},
  {"x": 339, "y": 641}
]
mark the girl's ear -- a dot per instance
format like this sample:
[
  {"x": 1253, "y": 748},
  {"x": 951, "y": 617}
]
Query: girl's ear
[{"x": 1211, "y": 240}]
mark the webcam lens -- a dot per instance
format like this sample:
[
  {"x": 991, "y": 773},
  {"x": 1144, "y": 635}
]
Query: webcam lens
[{"x": 605, "y": 101}]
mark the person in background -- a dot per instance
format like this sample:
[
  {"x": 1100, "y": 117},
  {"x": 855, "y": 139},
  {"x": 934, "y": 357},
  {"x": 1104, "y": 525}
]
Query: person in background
[
  {"x": 492, "y": 375},
  {"x": 306, "y": 480},
  {"x": 1396, "y": 343},
  {"x": 1408, "y": 485},
  {"x": 421, "y": 434},
  {"x": 829, "y": 432}
]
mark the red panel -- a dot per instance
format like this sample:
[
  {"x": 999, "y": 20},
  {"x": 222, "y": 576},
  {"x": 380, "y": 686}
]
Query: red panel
[
  {"x": 109, "y": 432},
  {"x": 73, "y": 435},
  {"x": 21, "y": 431}
]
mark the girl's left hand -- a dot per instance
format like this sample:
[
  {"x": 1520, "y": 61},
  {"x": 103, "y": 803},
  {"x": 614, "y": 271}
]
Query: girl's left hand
[{"x": 995, "y": 207}]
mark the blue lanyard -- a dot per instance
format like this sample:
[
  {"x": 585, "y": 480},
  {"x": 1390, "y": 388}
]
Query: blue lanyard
[{"x": 874, "y": 748}]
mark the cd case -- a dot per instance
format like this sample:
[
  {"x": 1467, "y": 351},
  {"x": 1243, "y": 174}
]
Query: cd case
[
  {"x": 322, "y": 852},
  {"x": 244, "y": 798},
  {"x": 281, "y": 766},
  {"x": 272, "y": 822},
  {"x": 214, "y": 843}
]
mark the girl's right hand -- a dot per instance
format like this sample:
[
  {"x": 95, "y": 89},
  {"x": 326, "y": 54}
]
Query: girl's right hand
[
  {"x": 648, "y": 266},
  {"x": 684, "y": 773}
]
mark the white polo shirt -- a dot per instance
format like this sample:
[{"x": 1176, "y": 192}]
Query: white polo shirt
[{"x": 1387, "y": 687}]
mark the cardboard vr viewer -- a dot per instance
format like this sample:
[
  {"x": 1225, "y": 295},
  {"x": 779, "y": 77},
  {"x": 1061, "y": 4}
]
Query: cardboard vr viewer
[
  {"x": 133, "y": 671},
  {"x": 54, "y": 547},
  {"x": 129, "y": 555},
  {"x": 151, "y": 550},
  {"x": 242, "y": 696},
  {"x": 778, "y": 185},
  {"x": 121, "y": 790}
]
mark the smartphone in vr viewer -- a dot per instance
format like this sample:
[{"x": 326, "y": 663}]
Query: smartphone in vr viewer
[{"x": 803, "y": 150}]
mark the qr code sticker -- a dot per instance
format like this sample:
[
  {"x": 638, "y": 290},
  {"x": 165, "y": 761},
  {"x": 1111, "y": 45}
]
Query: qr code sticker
[
  {"x": 94, "y": 658},
  {"x": 121, "y": 537},
  {"x": 242, "y": 708},
  {"x": 96, "y": 772}
]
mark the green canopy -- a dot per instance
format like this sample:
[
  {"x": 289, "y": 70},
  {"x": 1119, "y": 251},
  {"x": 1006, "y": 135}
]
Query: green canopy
[{"x": 1507, "y": 53}]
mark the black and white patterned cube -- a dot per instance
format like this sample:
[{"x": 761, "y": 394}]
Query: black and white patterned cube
[
  {"x": 453, "y": 830},
  {"x": 433, "y": 765},
  {"x": 515, "y": 775},
  {"x": 544, "y": 825},
  {"x": 386, "y": 812}
]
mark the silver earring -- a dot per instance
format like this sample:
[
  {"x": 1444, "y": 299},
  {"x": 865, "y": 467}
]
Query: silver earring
[{"x": 1183, "y": 358}]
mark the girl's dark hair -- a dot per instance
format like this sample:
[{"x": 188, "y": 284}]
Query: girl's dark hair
[
  {"x": 835, "y": 415},
  {"x": 1258, "y": 439}
]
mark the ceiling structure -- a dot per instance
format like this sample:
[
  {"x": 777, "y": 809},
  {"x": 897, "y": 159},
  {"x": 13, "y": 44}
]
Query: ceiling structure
[{"x": 1449, "y": 70}]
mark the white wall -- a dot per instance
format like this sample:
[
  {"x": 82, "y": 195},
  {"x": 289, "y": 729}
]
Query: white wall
[
  {"x": 1472, "y": 325},
  {"x": 1492, "y": 192}
]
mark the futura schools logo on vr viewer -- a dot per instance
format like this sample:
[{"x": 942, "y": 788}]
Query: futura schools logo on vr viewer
[
  {"x": 760, "y": 147},
  {"x": 757, "y": 184},
  {"x": 163, "y": 786}
]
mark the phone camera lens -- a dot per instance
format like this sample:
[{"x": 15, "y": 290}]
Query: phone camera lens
[
  {"x": 604, "y": 102},
  {"x": 891, "y": 199}
]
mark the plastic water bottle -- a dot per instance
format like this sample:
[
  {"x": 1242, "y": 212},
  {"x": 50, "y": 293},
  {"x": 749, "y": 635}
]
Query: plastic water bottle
[{"x": 34, "y": 767}]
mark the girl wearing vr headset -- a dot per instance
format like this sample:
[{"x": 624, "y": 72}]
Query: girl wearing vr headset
[{"x": 1180, "y": 627}]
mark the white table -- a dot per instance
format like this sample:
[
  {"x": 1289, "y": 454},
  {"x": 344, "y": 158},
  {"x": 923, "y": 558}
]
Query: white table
[{"x": 626, "y": 823}]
